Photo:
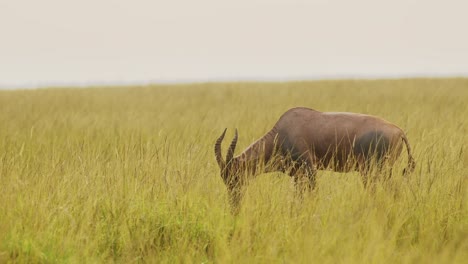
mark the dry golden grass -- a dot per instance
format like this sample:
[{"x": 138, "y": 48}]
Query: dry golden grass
[{"x": 129, "y": 175}]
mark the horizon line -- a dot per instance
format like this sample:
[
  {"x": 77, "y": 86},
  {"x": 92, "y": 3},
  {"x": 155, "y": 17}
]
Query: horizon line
[{"x": 168, "y": 81}]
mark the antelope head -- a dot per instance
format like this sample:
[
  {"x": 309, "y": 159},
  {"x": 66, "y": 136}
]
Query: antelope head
[{"x": 230, "y": 169}]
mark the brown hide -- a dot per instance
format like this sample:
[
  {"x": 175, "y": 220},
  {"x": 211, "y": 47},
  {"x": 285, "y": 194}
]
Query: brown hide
[
  {"x": 304, "y": 140},
  {"x": 334, "y": 140}
]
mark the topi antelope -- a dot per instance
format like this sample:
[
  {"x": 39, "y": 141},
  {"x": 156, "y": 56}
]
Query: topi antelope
[{"x": 305, "y": 140}]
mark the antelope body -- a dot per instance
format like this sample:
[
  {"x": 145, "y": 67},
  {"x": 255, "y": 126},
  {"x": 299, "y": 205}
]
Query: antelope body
[{"x": 304, "y": 140}]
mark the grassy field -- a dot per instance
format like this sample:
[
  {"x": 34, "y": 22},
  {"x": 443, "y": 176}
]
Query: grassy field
[{"x": 129, "y": 175}]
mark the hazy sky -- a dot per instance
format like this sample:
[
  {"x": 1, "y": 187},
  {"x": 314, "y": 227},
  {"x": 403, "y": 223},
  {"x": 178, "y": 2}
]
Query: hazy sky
[{"x": 95, "y": 41}]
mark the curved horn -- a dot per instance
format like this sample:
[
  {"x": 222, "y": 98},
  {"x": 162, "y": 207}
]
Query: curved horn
[
  {"x": 217, "y": 150},
  {"x": 232, "y": 147}
]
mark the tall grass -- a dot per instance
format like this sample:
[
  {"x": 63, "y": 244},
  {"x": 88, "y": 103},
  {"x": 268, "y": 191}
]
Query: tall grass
[{"x": 129, "y": 175}]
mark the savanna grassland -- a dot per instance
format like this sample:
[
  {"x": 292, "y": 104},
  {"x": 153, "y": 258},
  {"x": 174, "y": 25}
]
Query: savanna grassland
[{"x": 129, "y": 175}]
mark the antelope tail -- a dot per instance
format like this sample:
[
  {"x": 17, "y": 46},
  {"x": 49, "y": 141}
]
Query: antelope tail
[{"x": 411, "y": 162}]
